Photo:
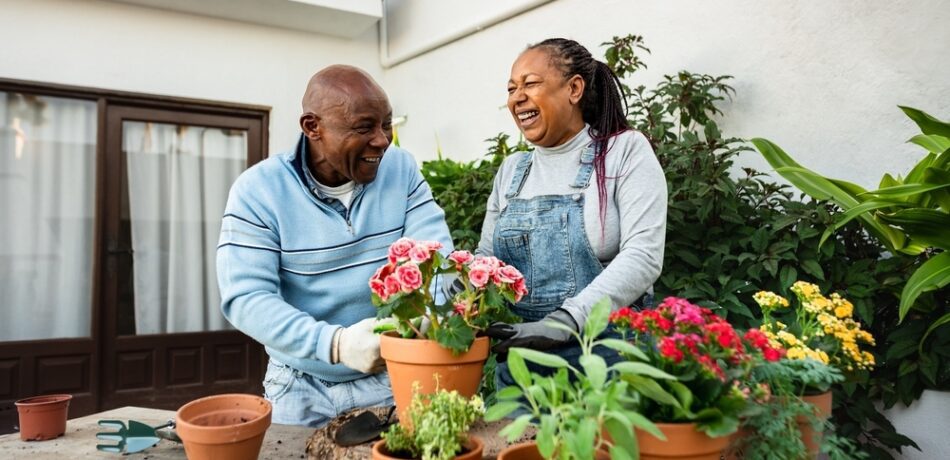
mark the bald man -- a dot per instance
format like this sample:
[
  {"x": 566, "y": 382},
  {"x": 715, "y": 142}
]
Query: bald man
[{"x": 302, "y": 234}]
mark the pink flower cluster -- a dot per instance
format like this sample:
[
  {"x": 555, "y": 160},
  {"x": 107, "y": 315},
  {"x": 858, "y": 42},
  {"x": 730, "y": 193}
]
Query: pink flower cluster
[{"x": 687, "y": 333}]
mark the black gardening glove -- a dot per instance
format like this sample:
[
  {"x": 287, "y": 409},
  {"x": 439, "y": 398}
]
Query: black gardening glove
[{"x": 536, "y": 335}]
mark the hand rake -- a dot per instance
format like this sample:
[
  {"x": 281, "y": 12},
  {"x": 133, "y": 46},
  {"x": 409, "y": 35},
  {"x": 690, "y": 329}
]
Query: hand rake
[{"x": 134, "y": 438}]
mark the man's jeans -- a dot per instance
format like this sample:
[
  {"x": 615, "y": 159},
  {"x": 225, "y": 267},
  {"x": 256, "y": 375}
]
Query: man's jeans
[{"x": 302, "y": 399}]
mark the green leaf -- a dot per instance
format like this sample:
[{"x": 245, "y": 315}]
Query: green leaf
[
  {"x": 940, "y": 322},
  {"x": 635, "y": 368},
  {"x": 622, "y": 435},
  {"x": 547, "y": 436},
  {"x": 539, "y": 357},
  {"x": 509, "y": 392},
  {"x": 927, "y": 123},
  {"x": 518, "y": 368},
  {"x": 598, "y": 318},
  {"x": 501, "y": 410},
  {"x": 902, "y": 191},
  {"x": 624, "y": 347},
  {"x": 933, "y": 143},
  {"x": 788, "y": 276},
  {"x": 924, "y": 226},
  {"x": 595, "y": 368},
  {"x": 933, "y": 274},
  {"x": 813, "y": 268},
  {"x": 515, "y": 429},
  {"x": 455, "y": 335},
  {"x": 586, "y": 435},
  {"x": 651, "y": 389},
  {"x": 645, "y": 424}
]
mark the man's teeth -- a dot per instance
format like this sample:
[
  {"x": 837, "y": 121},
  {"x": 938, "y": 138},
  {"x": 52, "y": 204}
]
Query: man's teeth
[
  {"x": 371, "y": 159},
  {"x": 526, "y": 115}
]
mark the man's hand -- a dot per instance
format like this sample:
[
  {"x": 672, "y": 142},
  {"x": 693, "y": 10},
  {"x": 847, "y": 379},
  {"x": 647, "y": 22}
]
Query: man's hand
[
  {"x": 538, "y": 335},
  {"x": 357, "y": 347}
]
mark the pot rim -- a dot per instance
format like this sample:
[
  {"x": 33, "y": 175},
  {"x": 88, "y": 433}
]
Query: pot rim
[
  {"x": 474, "y": 444},
  {"x": 392, "y": 348},
  {"x": 44, "y": 400},
  {"x": 236, "y": 432}
]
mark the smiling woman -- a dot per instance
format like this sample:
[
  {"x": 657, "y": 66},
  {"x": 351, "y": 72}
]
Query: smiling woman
[{"x": 583, "y": 216}]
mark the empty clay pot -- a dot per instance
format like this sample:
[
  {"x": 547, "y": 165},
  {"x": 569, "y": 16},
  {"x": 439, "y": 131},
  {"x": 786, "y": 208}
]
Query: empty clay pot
[
  {"x": 529, "y": 451},
  {"x": 228, "y": 426},
  {"x": 43, "y": 417},
  {"x": 473, "y": 450}
]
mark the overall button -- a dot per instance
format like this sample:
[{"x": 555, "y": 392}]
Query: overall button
[{"x": 576, "y": 197}]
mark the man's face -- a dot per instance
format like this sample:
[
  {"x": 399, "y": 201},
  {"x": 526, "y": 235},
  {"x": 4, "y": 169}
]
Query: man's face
[{"x": 350, "y": 137}]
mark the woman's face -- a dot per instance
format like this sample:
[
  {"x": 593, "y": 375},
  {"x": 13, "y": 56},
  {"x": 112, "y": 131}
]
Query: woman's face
[{"x": 544, "y": 104}]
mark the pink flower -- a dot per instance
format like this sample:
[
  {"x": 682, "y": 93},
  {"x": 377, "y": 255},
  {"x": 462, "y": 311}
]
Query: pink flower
[
  {"x": 432, "y": 245},
  {"x": 419, "y": 253},
  {"x": 506, "y": 275},
  {"x": 399, "y": 251},
  {"x": 461, "y": 257},
  {"x": 379, "y": 288},
  {"x": 409, "y": 276},
  {"x": 392, "y": 286},
  {"x": 479, "y": 276},
  {"x": 519, "y": 289},
  {"x": 461, "y": 307}
]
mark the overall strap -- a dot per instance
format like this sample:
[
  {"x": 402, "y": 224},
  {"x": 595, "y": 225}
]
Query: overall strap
[
  {"x": 518, "y": 178},
  {"x": 586, "y": 169}
]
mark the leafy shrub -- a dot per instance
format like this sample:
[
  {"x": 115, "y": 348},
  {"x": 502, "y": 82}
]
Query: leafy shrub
[
  {"x": 462, "y": 188},
  {"x": 439, "y": 425}
]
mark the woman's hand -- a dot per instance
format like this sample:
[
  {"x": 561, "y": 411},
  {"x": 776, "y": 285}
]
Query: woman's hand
[{"x": 553, "y": 330}]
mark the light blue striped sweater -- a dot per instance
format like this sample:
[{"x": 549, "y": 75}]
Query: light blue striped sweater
[{"x": 292, "y": 270}]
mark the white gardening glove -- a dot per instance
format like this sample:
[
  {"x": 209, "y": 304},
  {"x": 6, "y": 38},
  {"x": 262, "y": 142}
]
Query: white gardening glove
[{"x": 357, "y": 347}]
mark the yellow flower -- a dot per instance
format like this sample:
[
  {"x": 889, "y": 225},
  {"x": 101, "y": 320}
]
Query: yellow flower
[{"x": 769, "y": 300}]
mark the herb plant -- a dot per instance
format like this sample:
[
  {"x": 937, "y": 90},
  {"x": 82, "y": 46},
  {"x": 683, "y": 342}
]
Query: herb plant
[
  {"x": 438, "y": 425},
  {"x": 574, "y": 407}
]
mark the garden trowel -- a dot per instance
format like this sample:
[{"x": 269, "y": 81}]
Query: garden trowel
[{"x": 135, "y": 437}]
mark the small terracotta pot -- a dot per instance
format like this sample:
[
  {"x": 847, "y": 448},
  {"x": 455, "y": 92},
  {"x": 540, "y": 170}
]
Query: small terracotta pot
[
  {"x": 529, "y": 451},
  {"x": 228, "y": 426},
  {"x": 418, "y": 360},
  {"x": 683, "y": 441},
  {"x": 473, "y": 450},
  {"x": 812, "y": 440},
  {"x": 43, "y": 417}
]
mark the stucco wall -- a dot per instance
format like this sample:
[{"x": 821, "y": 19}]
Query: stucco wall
[
  {"x": 123, "y": 47},
  {"x": 822, "y": 79}
]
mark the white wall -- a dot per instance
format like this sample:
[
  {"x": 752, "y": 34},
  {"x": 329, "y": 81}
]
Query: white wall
[
  {"x": 821, "y": 79},
  {"x": 124, "y": 47}
]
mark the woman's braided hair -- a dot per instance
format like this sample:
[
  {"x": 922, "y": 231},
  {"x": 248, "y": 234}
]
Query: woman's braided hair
[{"x": 603, "y": 106}]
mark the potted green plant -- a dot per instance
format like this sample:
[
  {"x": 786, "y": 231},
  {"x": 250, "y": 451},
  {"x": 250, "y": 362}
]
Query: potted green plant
[
  {"x": 908, "y": 215},
  {"x": 580, "y": 413},
  {"x": 437, "y": 429},
  {"x": 439, "y": 338},
  {"x": 700, "y": 408},
  {"x": 818, "y": 328}
]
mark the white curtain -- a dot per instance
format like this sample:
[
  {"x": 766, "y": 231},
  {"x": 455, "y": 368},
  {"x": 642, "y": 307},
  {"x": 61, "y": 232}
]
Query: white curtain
[
  {"x": 179, "y": 177},
  {"x": 47, "y": 192}
]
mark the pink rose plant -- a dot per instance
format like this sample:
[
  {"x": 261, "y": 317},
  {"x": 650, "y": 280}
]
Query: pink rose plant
[{"x": 402, "y": 288}]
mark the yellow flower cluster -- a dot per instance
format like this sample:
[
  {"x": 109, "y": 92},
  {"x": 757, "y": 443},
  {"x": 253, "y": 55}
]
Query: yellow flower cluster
[{"x": 827, "y": 331}]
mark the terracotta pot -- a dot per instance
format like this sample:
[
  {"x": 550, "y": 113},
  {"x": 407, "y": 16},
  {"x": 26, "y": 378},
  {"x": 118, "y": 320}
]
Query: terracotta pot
[
  {"x": 683, "y": 441},
  {"x": 423, "y": 361},
  {"x": 529, "y": 451},
  {"x": 473, "y": 450},
  {"x": 812, "y": 440},
  {"x": 43, "y": 417},
  {"x": 228, "y": 426}
]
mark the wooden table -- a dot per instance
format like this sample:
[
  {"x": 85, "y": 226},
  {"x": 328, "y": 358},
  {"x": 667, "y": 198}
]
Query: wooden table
[{"x": 281, "y": 441}]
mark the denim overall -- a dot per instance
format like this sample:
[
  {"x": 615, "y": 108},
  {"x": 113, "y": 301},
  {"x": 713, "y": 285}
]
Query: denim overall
[{"x": 544, "y": 238}]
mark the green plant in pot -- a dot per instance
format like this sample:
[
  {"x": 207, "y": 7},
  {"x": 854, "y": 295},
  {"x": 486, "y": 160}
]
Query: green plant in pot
[
  {"x": 780, "y": 423},
  {"x": 437, "y": 429},
  {"x": 700, "y": 408},
  {"x": 435, "y": 337},
  {"x": 580, "y": 413},
  {"x": 909, "y": 216}
]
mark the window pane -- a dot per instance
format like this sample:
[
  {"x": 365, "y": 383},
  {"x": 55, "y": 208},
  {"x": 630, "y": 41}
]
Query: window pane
[
  {"x": 177, "y": 187},
  {"x": 47, "y": 193}
]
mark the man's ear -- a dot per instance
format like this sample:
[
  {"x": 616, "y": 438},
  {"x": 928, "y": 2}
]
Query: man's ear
[
  {"x": 310, "y": 125},
  {"x": 576, "y": 86}
]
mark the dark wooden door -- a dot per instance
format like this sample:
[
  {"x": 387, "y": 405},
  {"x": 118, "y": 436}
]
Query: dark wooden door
[{"x": 149, "y": 365}]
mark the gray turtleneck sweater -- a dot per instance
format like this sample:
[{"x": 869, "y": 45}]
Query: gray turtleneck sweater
[{"x": 634, "y": 231}]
